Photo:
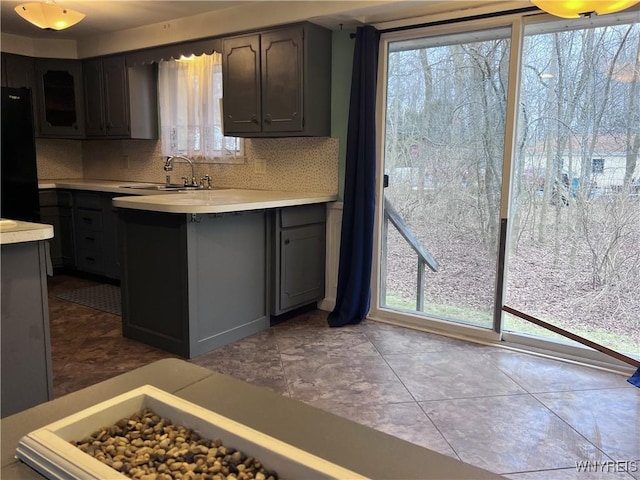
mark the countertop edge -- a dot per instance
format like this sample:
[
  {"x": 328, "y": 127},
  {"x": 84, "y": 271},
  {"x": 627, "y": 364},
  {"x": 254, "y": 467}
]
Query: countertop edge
[
  {"x": 149, "y": 205},
  {"x": 24, "y": 232}
]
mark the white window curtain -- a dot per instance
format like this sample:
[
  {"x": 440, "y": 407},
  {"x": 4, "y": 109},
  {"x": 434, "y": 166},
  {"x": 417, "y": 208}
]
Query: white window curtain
[{"x": 190, "y": 97}]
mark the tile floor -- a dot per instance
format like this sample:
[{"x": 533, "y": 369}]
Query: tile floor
[{"x": 518, "y": 415}]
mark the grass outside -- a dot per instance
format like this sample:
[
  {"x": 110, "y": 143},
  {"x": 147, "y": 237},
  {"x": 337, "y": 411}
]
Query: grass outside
[{"x": 618, "y": 342}]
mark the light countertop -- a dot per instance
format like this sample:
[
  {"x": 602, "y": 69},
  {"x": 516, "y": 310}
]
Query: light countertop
[
  {"x": 220, "y": 201},
  {"x": 109, "y": 186},
  {"x": 194, "y": 201},
  {"x": 17, "y": 231}
]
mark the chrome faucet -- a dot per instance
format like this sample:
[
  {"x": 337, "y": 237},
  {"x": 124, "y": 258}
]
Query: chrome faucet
[{"x": 168, "y": 166}]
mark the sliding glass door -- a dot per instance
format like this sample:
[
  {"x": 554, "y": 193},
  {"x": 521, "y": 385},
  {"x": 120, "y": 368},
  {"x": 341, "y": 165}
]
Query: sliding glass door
[
  {"x": 574, "y": 257},
  {"x": 570, "y": 110},
  {"x": 443, "y": 158}
]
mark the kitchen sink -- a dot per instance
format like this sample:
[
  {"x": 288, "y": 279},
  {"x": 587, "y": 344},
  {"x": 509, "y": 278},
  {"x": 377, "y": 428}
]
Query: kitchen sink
[{"x": 172, "y": 187}]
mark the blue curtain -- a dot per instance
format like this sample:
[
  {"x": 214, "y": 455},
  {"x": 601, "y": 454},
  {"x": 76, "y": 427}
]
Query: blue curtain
[{"x": 356, "y": 247}]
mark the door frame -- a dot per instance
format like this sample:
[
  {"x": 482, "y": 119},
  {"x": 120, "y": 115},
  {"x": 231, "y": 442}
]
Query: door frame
[{"x": 559, "y": 349}]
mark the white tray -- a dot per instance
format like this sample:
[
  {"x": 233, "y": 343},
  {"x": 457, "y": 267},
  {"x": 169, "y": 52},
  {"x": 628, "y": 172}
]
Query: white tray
[{"x": 48, "y": 450}]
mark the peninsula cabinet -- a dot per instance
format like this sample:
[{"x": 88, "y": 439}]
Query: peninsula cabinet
[
  {"x": 60, "y": 97},
  {"x": 120, "y": 102},
  {"x": 298, "y": 270},
  {"x": 278, "y": 82},
  {"x": 26, "y": 346},
  {"x": 192, "y": 283}
]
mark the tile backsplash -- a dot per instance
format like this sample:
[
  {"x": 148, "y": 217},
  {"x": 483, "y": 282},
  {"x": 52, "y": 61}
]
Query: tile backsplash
[
  {"x": 59, "y": 158},
  {"x": 301, "y": 164}
]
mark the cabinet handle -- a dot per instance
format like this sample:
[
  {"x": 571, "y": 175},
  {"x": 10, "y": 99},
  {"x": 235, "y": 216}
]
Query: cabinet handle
[
  {"x": 267, "y": 119},
  {"x": 91, "y": 259},
  {"x": 254, "y": 119},
  {"x": 86, "y": 220},
  {"x": 91, "y": 239},
  {"x": 287, "y": 241}
]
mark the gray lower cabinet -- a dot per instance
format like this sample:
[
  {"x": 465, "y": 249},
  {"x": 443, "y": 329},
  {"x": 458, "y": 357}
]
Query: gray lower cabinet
[
  {"x": 298, "y": 270},
  {"x": 191, "y": 284},
  {"x": 87, "y": 216},
  {"x": 26, "y": 347},
  {"x": 56, "y": 208},
  {"x": 95, "y": 232}
]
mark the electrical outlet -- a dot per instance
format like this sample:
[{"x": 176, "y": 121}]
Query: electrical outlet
[{"x": 260, "y": 165}]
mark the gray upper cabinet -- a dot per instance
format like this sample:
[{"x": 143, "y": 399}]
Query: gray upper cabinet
[
  {"x": 120, "y": 101},
  {"x": 60, "y": 97},
  {"x": 18, "y": 71},
  {"x": 106, "y": 106},
  {"x": 278, "y": 83}
]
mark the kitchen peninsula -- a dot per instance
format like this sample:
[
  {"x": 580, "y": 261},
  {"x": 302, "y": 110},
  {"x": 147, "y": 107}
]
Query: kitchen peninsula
[
  {"x": 25, "y": 316},
  {"x": 205, "y": 268}
]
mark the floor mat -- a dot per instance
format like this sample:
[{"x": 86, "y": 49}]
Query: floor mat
[{"x": 105, "y": 298}]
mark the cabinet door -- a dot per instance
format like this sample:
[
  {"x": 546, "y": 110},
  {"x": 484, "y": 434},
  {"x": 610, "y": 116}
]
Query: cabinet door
[
  {"x": 116, "y": 100},
  {"x": 55, "y": 209},
  {"x": 282, "y": 80},
  {"x": 301, "y": 265},
  {"x": 60, "y": 97},
  {"x": 19, "y": 71},
  {"x": 65, "y": 234},
  {"x": 241, "y": 84},
  {"x": 94, "y": 105}
]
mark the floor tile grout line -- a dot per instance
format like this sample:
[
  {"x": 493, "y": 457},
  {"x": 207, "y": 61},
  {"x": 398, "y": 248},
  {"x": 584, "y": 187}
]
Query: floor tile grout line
[
  {"x": 545, "y": 406},
  {"x": 557, "y": 415},
  {"x": 439, "y": 431},
  {"x": 390, "y": 367}
]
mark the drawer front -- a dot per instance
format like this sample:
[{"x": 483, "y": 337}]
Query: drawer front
[
  {"x": 55, "y": 198},
  {"x": 89, "y": 200},
  {"x": 302, "y": 215},
  {"x": 90, "y": 241},
  {"x": 90, "y": 261},
  {"x": 88, "y": 220}
]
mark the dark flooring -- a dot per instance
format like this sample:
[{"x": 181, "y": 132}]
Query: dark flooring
[{"x": 519, "y": 415}]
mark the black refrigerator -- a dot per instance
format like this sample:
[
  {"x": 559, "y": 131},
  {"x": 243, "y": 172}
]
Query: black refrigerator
[{"x": 18, "y": 157}]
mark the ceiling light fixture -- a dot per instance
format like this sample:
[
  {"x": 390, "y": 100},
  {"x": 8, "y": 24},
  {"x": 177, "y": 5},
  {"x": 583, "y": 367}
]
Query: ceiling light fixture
[
  {"x": 48, "y": 15},
  {"x": 582, "y": 8}
]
